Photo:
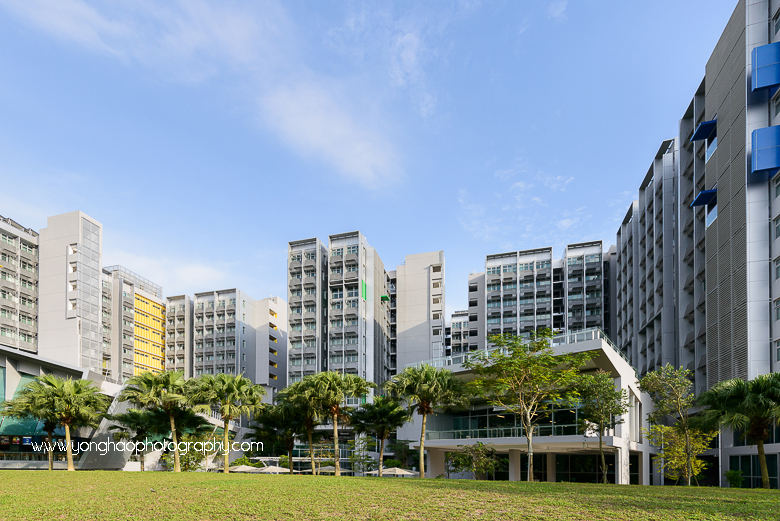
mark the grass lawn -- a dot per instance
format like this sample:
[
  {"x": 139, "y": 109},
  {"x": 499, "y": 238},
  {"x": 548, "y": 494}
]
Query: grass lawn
[{"x": 128, "y": 495}]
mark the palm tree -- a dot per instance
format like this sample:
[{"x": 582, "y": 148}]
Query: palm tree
[
  {"x": 67, "y": 402},
  {"x": 282, "y": 424},
  {"x": 135, "y": 426},
  {"x": 166, "y": 391},
  {"x": 331, "y": 391},
  {"x": 232, "y": 395},
  {"x": 752, "y": 407},
  {"x": 379, "y": 418},
  {"x": 300, "y": 396},
  {"x": 35, "y": 402},
  {"x": 425, "y": 388}
]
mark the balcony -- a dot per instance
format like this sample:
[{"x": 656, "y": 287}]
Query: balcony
[
  {"x": 309, "y": 263},
  {"x": 351, "y": 276},
  {"x": 295, "y": 300},
  {"x": 310, "y": 315},
  {"x": 765, "y": 63},
  {"x": 295, "y": 265},
  {"x": 293, "y": 283},
  {"x": 335, "y": 260},
  {"x": 310, "y": 281},
  {"x": 335, "y": 279},
  {"x": 351, "y": 258}
]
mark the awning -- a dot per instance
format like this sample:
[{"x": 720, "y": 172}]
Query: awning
[
  {"x": 704, "y": 197},
  {"x": 705, "y": 130}
]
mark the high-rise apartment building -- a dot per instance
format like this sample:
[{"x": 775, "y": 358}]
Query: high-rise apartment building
[
  {"x": 139, "y": 304},
  {"x": 227, "y": 331},
  {"x": 69, "y": 321},
  {"x": 524, "y": 291},
  {"x": 349, "y": 314},
  {"x": 459, "y": 333},
  {"x": 417, "y": 321},
  {"x": 18, "y": 286}
]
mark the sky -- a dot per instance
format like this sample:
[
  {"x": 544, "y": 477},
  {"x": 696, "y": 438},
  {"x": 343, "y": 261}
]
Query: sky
[{"x": 205, "y": 136}]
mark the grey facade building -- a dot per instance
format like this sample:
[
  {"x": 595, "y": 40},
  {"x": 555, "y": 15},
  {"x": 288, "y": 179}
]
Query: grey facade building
[
  {"x": 227, "y": 331},
  {"x": 698, "y": 254},
  {"x": 18, "y": 286},
  {"x": 459, "y": 333},
  {"x": 417, "y": 309},
  {"x": 70, "y": 327},
  {"x": 527, "y": 290},
  {"x": 349, "y": 314}
]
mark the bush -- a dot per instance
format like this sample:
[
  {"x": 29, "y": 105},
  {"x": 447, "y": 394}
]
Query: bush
[
  {"x": 734, "y": 477},
  {"x": 389, "y": 463}
]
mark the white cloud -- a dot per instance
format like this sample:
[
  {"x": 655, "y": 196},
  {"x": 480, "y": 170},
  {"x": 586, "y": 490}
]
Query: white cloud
[
  {"x": 557, "y": 9},
  {"x": 565, "y": 224},
  {"x": 558, "y": 182},
  {"x": 194, "y": 40}
]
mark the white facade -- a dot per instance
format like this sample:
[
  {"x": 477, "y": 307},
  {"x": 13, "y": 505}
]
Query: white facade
[{"x": 18, "y": 286}]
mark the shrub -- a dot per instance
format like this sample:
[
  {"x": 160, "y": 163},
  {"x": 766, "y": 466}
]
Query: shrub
[{"x": 734, "y": 477}]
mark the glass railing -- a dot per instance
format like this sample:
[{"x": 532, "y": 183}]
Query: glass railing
[{"x": 502, "y": 432}]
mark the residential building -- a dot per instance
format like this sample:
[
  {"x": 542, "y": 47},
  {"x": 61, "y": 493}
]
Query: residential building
[
  {"x": 459, "y": 333},
  {"x": 308, "y": 335},
  {"x": 524, "y": 291},
  {"x": 374, "y": 321},
  {"x": 417, "y": 320},
  {"x": 69, "y": 319},
  {"x": 139, "y": 313},
  {"x": 227, "y": 331},
  {"x": 18, "y": 286},
  {"x": 698, "y": 257}
]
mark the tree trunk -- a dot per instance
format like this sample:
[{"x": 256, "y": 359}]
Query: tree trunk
[
  {"x": 51, "y": 449},
  {"x": 176, "y": 460},
  {"x": 336, "y": 458},
  {"x": 422, "y": 446},
  {"x": 603, "y": 458},
  {"x": 141, "y": 458},
  {"x": 381, "y": 455},
  {"x": 225, "y": 442},
  {"x": 311, "y": 452},
  {"x": 69, "y": 449},
  {"x": 529, "y": 436},
  {"x": 290, "y": 460},
  {"x": 688, "y": 459},
  {"x": 762, "y": 464}
]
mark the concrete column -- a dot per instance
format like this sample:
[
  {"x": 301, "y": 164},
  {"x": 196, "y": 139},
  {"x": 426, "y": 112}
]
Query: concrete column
[
  {"x": 515, "y": 469},
  {"x": 551, "y": 467},
  {"x": 622, "y": 467},
  {"x": 435, "y": 465}
]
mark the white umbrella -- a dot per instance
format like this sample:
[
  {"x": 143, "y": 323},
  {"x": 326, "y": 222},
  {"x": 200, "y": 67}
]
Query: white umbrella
[
  {"x": 394, "y": 471},
  {"x": 246, "y": 469},
  {"x": 273, "y": 469}
]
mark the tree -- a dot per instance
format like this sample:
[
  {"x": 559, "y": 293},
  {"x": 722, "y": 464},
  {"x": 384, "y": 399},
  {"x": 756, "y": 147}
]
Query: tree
[
  {"x": 134, "y": 426},
  {"x": 480, "y": 459},
  {"x": 232, "y": 395},
  {"x": 524, "y": 375},
  {"x": 166, "y": 391},
  {"x": 300, "y": 395},
  {"x": 359, "y": 457},
  {"x": 74, "y": 404},
  {"x": 601, "y": 405},
  {"x": 752, "y": 407},
  {"x": 280, "y": 424},
  {"x": 402, "y": 452},
  {"x": 425, "y": 388},
  {"x": 677, "y": 456},
  {"x": 380, "y": 419},
  {"x": 37, "y": 402},
  {"x": 330, "y": 394},
  {"x": 672, "y": 393}
]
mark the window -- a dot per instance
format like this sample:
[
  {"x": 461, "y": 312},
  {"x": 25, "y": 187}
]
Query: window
[
  {"x": 437, "y": 269},
  {"x": 777, "y": 309},
  {"x": 775, "y": 106},
  {"x": 777, "y": 348},
  {"x": 352, "y": 249},
  {"x": 337, "y": 252},
  {"x": 510, "y": 268},
  {"x": 776, "y": 23},
  {"x": 339, "y": 293},
  {"x": 542, "y": 264},
  {"x": 596, "y": 257},
  {"x": 526, "y": 266},
  {"x": 295, "y": 257},
  {"x": 777, "y": 268},
  {"x": 573, "y": 260},
  {"x": 337, "y": 270},
  {"x": 494, "y": 270}
]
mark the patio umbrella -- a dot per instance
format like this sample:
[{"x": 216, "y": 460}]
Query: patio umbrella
[
  {"x": 246, "y": 469},
  {"x": 273, "y": 469},
  {"x": 394, "y": 471}
]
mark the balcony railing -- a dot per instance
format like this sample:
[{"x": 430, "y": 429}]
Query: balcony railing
[{"x": 502, "y": 432}]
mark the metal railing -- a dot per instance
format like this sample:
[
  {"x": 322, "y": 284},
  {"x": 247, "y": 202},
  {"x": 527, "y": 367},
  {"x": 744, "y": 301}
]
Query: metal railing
[
  {"x": 585, "y": 335},
  {"x": 502, "y": 432}
]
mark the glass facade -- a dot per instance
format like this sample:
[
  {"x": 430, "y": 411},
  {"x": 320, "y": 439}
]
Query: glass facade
[{"x": 88, "y": 300}]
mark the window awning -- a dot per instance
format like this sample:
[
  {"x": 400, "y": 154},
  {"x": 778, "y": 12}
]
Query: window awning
[
  {"x": 704, "y": 197},
  {"x": 705, "y": 130}
]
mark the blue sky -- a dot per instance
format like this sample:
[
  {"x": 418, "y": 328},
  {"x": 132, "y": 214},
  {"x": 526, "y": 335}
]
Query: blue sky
[{"x": 206, "y": 135}]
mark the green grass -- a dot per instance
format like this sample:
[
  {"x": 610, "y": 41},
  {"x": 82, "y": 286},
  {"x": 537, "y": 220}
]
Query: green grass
[{"x": 128, "y": 495}]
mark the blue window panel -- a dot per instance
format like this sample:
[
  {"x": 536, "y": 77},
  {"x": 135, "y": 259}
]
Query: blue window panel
[
  {"x": 705, "y": 130},
  {"x": 766, "y": 149},
  {"x": 765, "y": 66},
  {"x": 704, "y": 197}
]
